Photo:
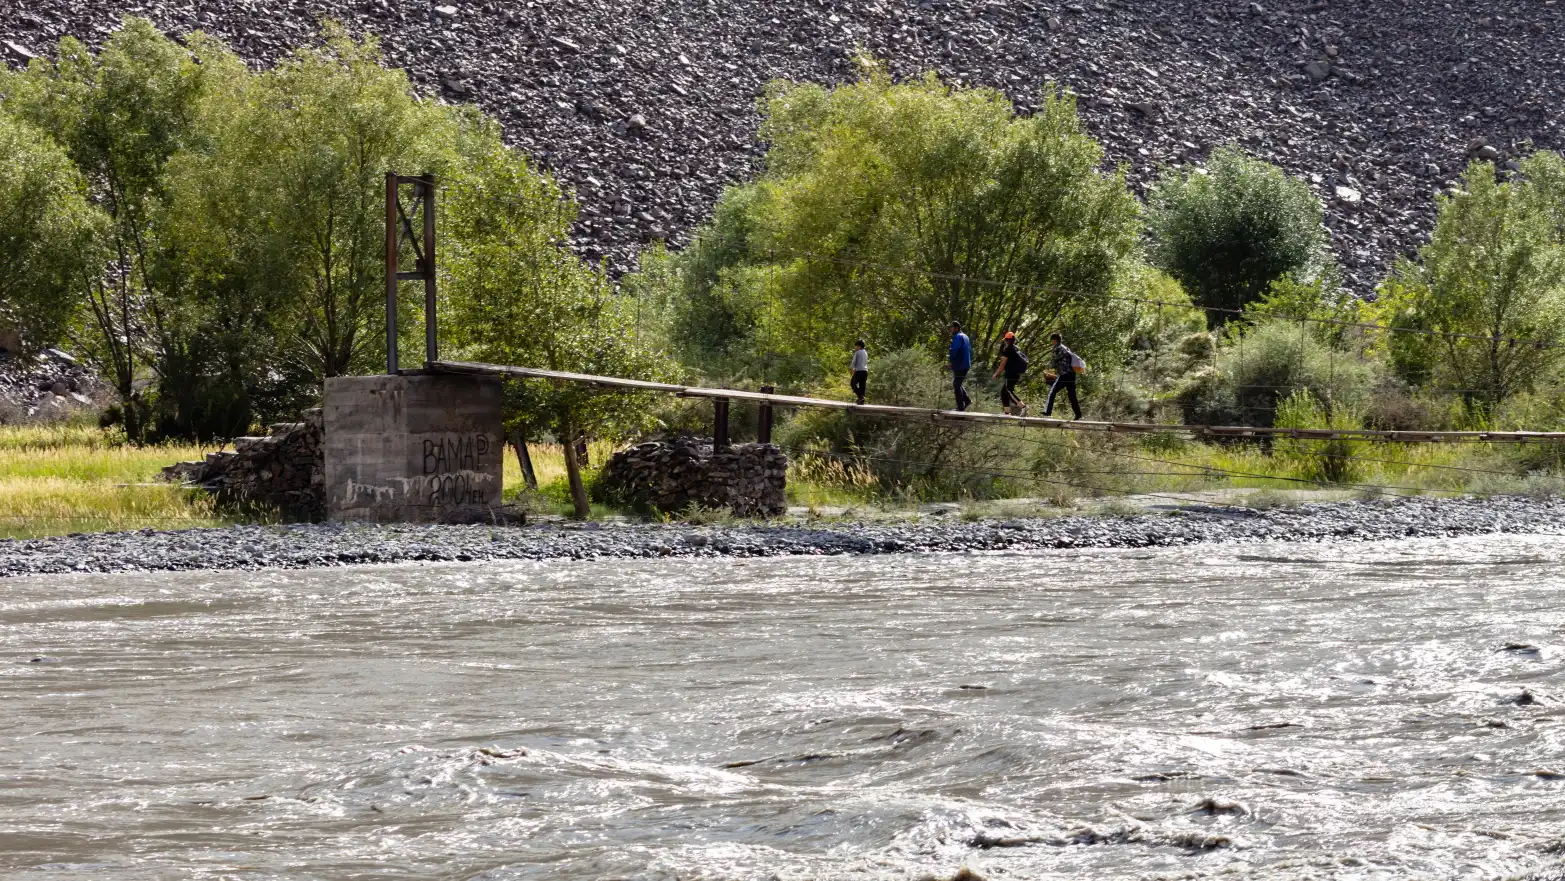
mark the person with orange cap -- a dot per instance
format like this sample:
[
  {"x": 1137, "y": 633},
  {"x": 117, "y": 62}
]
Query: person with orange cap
[{"x": 1013, "y": 364}]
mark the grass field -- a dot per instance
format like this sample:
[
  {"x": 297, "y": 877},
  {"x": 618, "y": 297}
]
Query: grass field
[{"x": 61, "y": 479}]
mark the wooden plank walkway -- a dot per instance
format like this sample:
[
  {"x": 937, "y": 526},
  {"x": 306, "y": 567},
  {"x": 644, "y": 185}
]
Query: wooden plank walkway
[{"x": 953, "y": 416}]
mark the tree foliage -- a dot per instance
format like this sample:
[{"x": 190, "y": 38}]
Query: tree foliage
[
  {"x": 1489, "y": 288},
  {"x": 121, "y": 115},
  {"x": 49, "y": 235},
  {"x": 1227, "y": 232},
  {"x": 517, "y": 296},
  {"x": 243, "y": 254},
  {"x": 888, "y": 210}
]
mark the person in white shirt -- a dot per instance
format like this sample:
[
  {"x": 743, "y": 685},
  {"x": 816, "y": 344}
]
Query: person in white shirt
[{"x": 860, "y": 370}]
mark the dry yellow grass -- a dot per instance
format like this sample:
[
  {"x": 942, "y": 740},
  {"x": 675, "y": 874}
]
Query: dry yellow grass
[{"x": 61, "y": 479}]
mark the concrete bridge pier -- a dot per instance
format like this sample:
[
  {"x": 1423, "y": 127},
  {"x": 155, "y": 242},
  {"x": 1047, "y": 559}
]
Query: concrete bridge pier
[{"x": 412, "y": 448}]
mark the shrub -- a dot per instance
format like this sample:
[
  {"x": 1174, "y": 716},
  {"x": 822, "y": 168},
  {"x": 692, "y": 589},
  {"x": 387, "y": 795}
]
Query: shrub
[
  {"x": 1326, "y": 461},
  {"x": 1263, "y": 364},
  {"x": 1393, "y": 406},
  {"x": 1228, "y": 232},
  {"x": 1207, "y": 398},
  {"x": 912, "y": 458}
]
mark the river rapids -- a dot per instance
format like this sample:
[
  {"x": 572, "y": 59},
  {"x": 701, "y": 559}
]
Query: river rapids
[{"x": 1386, "y": 710}]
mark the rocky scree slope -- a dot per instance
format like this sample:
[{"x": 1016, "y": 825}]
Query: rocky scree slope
[{"x": 648, "y": 109}]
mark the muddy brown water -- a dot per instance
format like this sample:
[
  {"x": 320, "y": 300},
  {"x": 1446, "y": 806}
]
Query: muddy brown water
[{"x": 1268, "y": 711}]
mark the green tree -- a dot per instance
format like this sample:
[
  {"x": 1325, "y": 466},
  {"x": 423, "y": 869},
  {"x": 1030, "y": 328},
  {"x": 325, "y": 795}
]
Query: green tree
[
  {"x": 337, "y": 120},
  {"x": 49, "y": 235},
  {"x": 121, "y": 115},
  {"x": 1490, "y": 286},
  {"x": 247, "y": 211},
  {"x": 515, "y": 295},
  {"x": 1227, "y": 232},
  {"x": 291, "y": 195},
  {"x": 887, "y": 210}
]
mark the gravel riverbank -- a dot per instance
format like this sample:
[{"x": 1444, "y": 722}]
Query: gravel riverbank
[{"x": 322, "y": 545}]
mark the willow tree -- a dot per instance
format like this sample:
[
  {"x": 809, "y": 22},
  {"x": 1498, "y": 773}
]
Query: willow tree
[
  {"x": 291, "y": 193},
  {"x": 515, "y": 294},
  {"x": 49, "y": 236},
  {"x": 1490, "y": 285},
  {"x": 889, "y": 209},
  {"x": 121, "y": 114}
]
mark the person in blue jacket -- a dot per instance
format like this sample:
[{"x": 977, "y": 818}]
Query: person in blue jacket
[{"x": 959, "y": 361}]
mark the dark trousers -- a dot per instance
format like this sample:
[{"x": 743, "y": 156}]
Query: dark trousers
[
  {"x": 1066, "y": 381},
  {"x": 959, "y": 385},
  {"x": 1008, "y": 396},
  {"x": 860, "y": 383}
]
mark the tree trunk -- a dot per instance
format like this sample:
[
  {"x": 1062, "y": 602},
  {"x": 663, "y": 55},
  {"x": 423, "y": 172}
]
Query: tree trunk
[
  {"x": 523, "y": 457},
  {"x": 583, "y": 509}
]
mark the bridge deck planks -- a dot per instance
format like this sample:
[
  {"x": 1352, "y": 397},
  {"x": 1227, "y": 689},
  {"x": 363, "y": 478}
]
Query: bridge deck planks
[{"x": 1234, "y": 431}]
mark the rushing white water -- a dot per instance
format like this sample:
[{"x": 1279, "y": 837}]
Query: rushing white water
[{"x": 1276, "y": 712}]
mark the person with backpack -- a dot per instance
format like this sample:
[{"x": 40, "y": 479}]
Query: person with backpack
[
  {"x": 1066, "y": 364},
  {"x": 1013, "y": 364},
  {"x": 860, "y": 368},
  {"x": 959, "y": 360}
]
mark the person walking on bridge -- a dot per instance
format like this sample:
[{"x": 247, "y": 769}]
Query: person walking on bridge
[
  {"x": 960, "y": 360},
  {"x": 1013, "y": 364},
  {"x": 860, "y": 369},
  {"x": 1064, "y": 365}
]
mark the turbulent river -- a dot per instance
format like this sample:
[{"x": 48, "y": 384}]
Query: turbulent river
[{"x": 1391, "y": 710}]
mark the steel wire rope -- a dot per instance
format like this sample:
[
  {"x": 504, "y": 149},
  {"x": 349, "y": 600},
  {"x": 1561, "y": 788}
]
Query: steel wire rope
[
  {"x": 1210, "y": 470},
  {"x": 1230, "y": 472},
  {"x": 966, "y": 279}
]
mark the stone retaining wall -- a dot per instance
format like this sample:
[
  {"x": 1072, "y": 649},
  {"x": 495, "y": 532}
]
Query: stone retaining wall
[
  {"x": 749, "y": 479},
  {"x": 284, "y": 471}
]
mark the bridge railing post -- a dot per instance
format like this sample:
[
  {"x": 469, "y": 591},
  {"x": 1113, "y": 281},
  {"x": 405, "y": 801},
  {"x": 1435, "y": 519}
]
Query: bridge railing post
[
  {"x": 763, "y": 428},
  {"x": 720, "y": 424}
]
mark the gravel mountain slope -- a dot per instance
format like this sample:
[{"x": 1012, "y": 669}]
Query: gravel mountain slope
[{"x": 648, "y": 108}]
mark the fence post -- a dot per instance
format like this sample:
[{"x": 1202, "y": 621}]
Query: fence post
[
  {"x": 720, "y": 424},
  {"x": 763, "y": 430}
]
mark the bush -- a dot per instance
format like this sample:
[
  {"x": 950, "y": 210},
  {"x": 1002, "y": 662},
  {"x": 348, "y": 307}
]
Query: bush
[
  {"x": 1393, "y": 406},
  {"x": 910, "y": 458},
  {"x": 1227, "y": 233},
  {"x": 1207, "y": 398},
  {"x": 1261, "y": 365},
  {"x": 1326, "y": 461}
]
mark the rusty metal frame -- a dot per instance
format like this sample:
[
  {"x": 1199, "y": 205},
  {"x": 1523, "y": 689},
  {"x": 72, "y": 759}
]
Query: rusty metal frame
[{"x": 400, "y": 230}]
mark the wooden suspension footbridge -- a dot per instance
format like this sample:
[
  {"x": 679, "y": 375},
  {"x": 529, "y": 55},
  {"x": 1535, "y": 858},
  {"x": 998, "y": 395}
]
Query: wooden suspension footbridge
[
  {"x": 416, "y": 228},
  {"x": 770, "y": 400}
]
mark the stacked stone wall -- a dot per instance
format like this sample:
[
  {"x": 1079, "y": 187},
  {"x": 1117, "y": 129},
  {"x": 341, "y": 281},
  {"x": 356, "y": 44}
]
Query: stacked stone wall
[
  {"x": 283, "y": 471},
  {"x": 751, "y": 480}
]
